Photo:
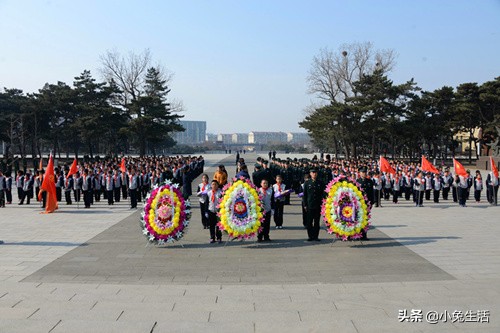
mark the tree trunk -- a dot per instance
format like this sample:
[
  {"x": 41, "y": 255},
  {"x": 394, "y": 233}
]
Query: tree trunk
[
  {"x": 373, "y": 145},
  {"x": 470, "y": 147}
]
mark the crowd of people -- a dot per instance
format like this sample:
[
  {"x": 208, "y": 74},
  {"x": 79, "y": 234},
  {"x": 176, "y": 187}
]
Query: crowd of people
[
  {"x": 275, "y": 180},
  {"x": 409, "y": 182},
  {"x": 105, "y": 179}
]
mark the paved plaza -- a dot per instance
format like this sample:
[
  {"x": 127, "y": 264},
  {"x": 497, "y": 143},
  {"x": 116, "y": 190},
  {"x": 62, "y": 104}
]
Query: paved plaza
[{"x": 92, "y": 271}]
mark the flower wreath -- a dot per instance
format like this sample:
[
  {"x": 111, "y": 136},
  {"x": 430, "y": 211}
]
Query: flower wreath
[
  {"x": 345, "y": 210},
  {"x": 166, "y": 214},
  {"x": 241, "y": 210}
]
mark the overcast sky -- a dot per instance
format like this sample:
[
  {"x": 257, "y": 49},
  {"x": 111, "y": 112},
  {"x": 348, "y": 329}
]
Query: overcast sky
[{"x": 242, "y": 65}]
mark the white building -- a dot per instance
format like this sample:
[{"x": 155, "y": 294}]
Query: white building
[
  {"x": 225, "y": 138},
  {"x": 298, "y": 138},
  {"x": 267, "y": 137},
  {"x": 240, "y": 138}
]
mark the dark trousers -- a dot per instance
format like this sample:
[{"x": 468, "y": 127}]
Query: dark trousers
[
  {"x": 20, "y": 193},
  {"x": 387, "y": 193},
  {"x": 428, "y": 195},
  {"x": 395, "y": 195},
  {"x": 44, "y": 198},
  {"x": 133, "y": 198},
  {"x": 419, "y": 198},
  {"x": 491, "y": 194},
  {"x": 214, "y": 229},
  {"x": 77, "y": 195},
  {"x": 8, "y": 195},
  {"x": 313, "y": 218},
  {"x": 435, "y": 194},
  {"x": 204, "y": 214},
  {"x": 304, "y": 217},
  {"x": 124, "y": 191},
  {"x": 117, "y": 194},
  {"x": 2, "y": 198},
  {"x": 58, "y": 193},
  {"x": 407, "y": 193},
  {"x": 376, "y": 197},
  {"x": 67, "y": 196},
  {"x": 278, "y": 213},
  {"x": 97, "y": 195},
  {"x": 454, "y": 194},
  {"x": 87, "y": 196},
  {"x": 144, "y": 191},
  {"x": 462, "y": 196},
  {"x": 446, "y": 191},
  {"x": 266, "y": 225},
  {"x": 477, "y": 195},
  {"x": 109, "y": 194}
]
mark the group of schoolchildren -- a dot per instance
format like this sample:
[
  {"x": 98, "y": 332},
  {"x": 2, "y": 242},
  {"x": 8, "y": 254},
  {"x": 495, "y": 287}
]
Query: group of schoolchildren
[
  {"x": 106, "y": 179},
  {"x": 272, "y": 192}
]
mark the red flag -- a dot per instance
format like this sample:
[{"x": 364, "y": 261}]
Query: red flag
[
  {"x": 385, "y": 166},
  {"x": 49, "y": 186},
  {"x": 459, "y": 168},
  {"x": 427, "y": 166},
  {"x": 73, "y": 169},
  {"x": 494, "y": 167},
  {"x": 122, "y": 165}
]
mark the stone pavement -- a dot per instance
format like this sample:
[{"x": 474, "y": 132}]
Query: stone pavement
[{"x": 92, "y": 271}]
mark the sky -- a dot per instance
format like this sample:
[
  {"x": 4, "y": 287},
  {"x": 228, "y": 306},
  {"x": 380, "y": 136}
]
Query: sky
[{"x": 242, "y": 65}]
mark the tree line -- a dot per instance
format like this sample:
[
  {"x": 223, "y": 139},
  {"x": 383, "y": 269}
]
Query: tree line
[
  {"x": 366, "y": 113},
  {"x": 128, "y": 111}
]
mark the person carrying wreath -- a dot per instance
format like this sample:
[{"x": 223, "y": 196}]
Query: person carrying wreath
[
  {"x": 280, "y": 195},
  {"x": 201, "y": 192},
  {"x": 266, "y": 195},
  {"x": 214, "y": 195}
]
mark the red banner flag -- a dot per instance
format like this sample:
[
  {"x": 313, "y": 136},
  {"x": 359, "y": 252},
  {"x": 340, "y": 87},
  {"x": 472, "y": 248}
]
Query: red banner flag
[
  {"x": 123, "y": 168},
  {"x": 49, "y": 186},
  {"x": 494, "y": 167},
  {"x": 459, "y": 168},
  {"x": 427, "y": 166},
  {"x": 385, "y": 166},
  {"x": 73, "y": 169}
]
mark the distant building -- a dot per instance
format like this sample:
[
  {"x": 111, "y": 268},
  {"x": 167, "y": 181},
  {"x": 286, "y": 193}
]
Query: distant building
[
  {"x": 195, "y": 132},
  {"x": 267, "y": 137},
  {"x": 210, "y": 137},
  {"x": 225, "y": 138},
  {"x": 298, "y": 138},
  {"x": 240, "y": 138}
]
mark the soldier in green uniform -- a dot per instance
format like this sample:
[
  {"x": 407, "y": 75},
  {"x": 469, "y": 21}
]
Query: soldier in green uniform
[
  {"x": 314, "y": 192},
  {"x": 367, "y": 187}
]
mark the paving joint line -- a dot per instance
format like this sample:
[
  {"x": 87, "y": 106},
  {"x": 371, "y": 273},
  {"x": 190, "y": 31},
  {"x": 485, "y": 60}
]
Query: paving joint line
[
  {"x": 120, "y": 315},
  {"x": 352, "y": 322},
  {"x": 16, "y": 304},
  {"x": 60, "y": 320},
  {"x": 33, "y": 313}
]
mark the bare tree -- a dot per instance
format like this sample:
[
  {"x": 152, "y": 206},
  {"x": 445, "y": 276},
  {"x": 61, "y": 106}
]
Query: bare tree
[
  {"x": 126, "y": 72},
  {"x": 333, "y": 74}
]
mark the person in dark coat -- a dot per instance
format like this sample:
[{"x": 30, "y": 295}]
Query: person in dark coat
[
  {"x": 314, "y": 192},
  {"x": 187, "y": 179},
  {"x": 367, "y": 187}
]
